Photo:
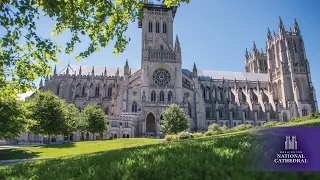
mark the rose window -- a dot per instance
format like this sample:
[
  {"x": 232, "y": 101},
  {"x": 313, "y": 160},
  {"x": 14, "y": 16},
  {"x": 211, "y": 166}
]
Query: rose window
[{"x": 161, "y": 77}]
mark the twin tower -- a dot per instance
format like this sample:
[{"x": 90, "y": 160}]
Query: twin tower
[{"x": 287, "y": 66}]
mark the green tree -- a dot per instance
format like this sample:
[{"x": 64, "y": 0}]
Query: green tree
[
  {"x": 48, "y": 115},
  {"x": 72, "y": 120},
  {"x": 13, "y": 117},
  {"x": 93, "y": 120},
  {"x": 25, "y": 55},
  {"x": 174, "y": 120}
]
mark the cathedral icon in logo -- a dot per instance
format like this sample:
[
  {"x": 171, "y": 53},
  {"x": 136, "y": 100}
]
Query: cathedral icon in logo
[{"x": 291, "y": 143}]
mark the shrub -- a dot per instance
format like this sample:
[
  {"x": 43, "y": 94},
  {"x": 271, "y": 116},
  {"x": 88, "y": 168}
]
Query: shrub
[
  {"x": 209, "y": 133},
  {"x": 269, "y": 124},
  {"x": 280, "y": 123},
  {"x": 224, "y": 128},
  {"x": 184, "y": 135},
  {"x": 197, "y": 135},
  {"x": 213, "y": 127},
  {"x": 171, "y": 137}
]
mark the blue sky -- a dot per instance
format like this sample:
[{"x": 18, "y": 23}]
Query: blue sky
[{"x": 215, "y": 33}]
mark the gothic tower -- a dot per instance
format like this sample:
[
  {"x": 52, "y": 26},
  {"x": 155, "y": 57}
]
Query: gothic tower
[
  {"x": 289, "y": 71},
  {"x": 256, "y": 62}
]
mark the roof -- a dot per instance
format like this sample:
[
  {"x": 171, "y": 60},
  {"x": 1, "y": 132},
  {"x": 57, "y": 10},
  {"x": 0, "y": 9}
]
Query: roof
[
  {"x": 228, "y": 75},
  {"x": 85, "y": 70}
]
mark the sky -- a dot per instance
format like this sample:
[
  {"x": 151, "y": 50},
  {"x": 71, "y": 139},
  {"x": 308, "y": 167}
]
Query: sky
[{"x": 215, "y": 33}]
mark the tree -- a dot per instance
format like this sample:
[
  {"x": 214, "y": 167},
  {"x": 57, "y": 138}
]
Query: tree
[
  {"x": 13, "y": 117},
  {"x": 25, "y": 55},
  {"x": 48, "y": 115},
  {"x": 93, "y": 120},
  {"x": 72, "y": 122},
  {"x": 174, "y": 120}
]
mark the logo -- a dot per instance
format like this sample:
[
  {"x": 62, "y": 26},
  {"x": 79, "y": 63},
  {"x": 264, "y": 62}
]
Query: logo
[
  {"x": 291, "y": 154},
  {"x": 291, "y": 144}
]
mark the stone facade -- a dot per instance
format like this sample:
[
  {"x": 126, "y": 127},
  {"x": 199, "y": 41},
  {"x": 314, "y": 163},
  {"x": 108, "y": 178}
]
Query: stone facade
[{"x": 275, "y": 87}]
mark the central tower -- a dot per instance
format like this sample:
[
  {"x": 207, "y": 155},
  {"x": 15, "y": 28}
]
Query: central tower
[{"x": 161, "y": 67}]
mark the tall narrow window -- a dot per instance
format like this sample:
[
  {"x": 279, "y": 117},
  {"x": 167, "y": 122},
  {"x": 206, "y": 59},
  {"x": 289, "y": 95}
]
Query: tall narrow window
[
  {"x": 169, "y": 96},
  {"x": 153, "y": 96},
  {"x": 97, "y": 91},
  {"x": 157, "y": 27},
  {"x": 161, "y": 96},
  {"x": 208, "y": 112},
  {"x": 150, "y": 27},
  {"x": 134, "y": 107},
  {"x": 83, "y": 90},
  {"x": 164, "y": 28},
  {"x": 189, "y": 109},
  {"x": 110, "y": 90}
]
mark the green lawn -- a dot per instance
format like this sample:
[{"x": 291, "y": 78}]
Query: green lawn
[
  {"x": 70, "y": 149},
  {"x": 224, "y": 156}
]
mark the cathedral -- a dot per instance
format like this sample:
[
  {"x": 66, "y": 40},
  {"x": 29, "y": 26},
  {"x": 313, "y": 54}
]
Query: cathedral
[{"x": 275, "y": 86}]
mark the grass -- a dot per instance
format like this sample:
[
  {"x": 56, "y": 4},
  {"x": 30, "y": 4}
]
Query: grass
[
  {"x": 71, "y": 149},
  {"x": 224, "y": 156}
]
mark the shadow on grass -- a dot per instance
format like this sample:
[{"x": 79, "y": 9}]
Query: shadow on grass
[
  {"x": 16, "y": 153},
  {"x": 211, "y": 158}
]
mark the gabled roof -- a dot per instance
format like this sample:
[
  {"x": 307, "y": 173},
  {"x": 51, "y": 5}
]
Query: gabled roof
[{"x": 228, "y": 75}]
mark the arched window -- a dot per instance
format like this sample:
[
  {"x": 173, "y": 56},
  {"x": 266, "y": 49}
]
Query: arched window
[
  {"x": 255, "y": 97},
  {"x": 304, "y": 111},
  {"x": 110, "y": 90},
  {"x": 150, "y": 27},
  {"x": 233, "y": 114},
  {"x": 221, "y": 95},
  {"x": 221, "y": 124},
  {"x": 284, "y": 117},
  {"x": 208, "y": 112},
  {"x": 124, "y": 136},
  {"x": 106, "y": 111},
  {"x": 164, "y": 28},
  {"x": 161, "y": 96},
  {"x": 153, "y": 96},
  {"x": 115, "y": 136},
  {"x": 233, "y": 99},
  {"x": 189, "y": 109},
  {"x": 244, "y": 98},
  {"x": 245, "y": 114},
  {"x": 58, "y": 90},
  {"x": 169, "y": 96},
  {"x": 97, "y": 91},
  {"x": 128, "y": 136},
  {"x": 157, "y": 27},
  {"x": 83, "y": 90},
  {"x": 220, "y": 113},
  {"x": 134, "y": 107}
]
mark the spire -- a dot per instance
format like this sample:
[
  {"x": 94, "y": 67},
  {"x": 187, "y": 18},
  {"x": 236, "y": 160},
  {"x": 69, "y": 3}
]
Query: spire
[
  {"x": 261, "y": 51},
  {"x": 55, "y": 70},
  {"x": 92, "y": 70},
  {"x": 254, "y": 47},
  {"x": 126, "y": 68},
  {"x": 80, "y": 71},
  {"x": 67, "y": 71},
  {"x": 247, "y": 54},
  {"x": 195, "y": 71},
  {"x": 281, "y": 27},
  {"x": 41, "y": 84},
  {"x": 126, "y": 65},
  {"x": 177, "y": 44},
  {"x": 296, "y": 27},
  {"x": 105, "y": 71},
  {"x": 290, "y": 30},
  {"x": 269, "y": 34}
]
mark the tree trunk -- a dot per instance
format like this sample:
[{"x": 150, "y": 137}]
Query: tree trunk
[{"x": 49, "y": 140}]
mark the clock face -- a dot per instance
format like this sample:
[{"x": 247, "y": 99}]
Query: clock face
[{"x": 161, "y": 77}]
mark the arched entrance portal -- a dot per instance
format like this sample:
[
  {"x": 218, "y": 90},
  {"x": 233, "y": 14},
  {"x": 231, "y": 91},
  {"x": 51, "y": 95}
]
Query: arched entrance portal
[{"x": 150, "y": 123}]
